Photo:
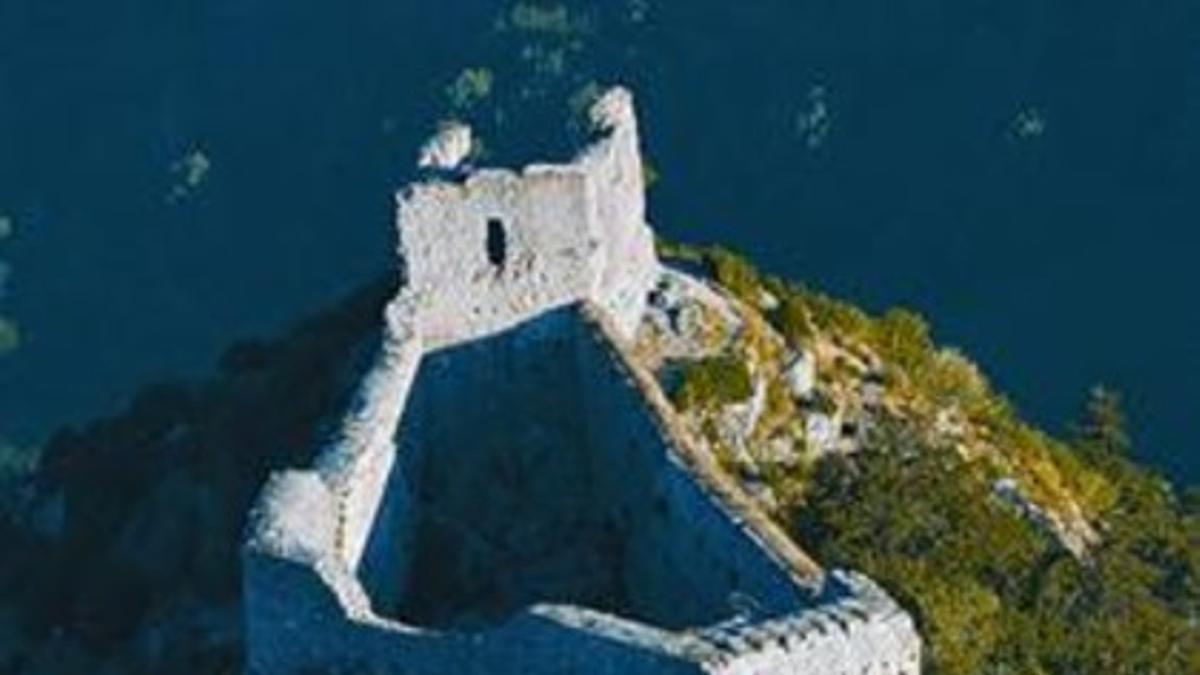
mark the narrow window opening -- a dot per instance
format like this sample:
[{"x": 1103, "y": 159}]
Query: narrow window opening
[{"x": 497, "y": 242}]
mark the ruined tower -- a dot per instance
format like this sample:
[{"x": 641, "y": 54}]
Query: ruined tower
[
  {"x": 508, "y": 492},
  {"x": 497, "y": 247}
]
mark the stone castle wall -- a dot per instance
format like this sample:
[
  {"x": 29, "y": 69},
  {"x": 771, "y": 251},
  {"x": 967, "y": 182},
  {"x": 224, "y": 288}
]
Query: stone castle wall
[
  {"x": 497, "y": 247},
  {"x": 311, "y": 603},
  {"x": 509, "y": 492},
  {"x": 297, "y": 623},
  {"x": 542, "y": 215},
  {"x": 536, "y": 475},
  {"x": 627, "y": 264},
  {"x": 686, "y": 551},
  {"x": 503, "y": 514},
  {"x": 852, "y": 628}
]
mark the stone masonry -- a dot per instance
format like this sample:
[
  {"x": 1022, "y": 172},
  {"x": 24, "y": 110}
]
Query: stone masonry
[{"x": 510, "y": 492}]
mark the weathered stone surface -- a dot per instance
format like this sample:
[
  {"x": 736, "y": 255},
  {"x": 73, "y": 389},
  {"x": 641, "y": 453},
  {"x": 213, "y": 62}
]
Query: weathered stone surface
[
  {"x": 801, "y": 375},
  {"x": 502, "y": 246},
  {"x": 822, "y": 433}
]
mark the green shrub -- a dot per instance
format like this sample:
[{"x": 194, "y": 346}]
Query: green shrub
[
  {"x": 990, "y": 592},
  {"x": 1189, "y": 501},
  {"x": 16, "y": 461},
  {"x": 10, "y": 336},
  {"x": 712, "y": 381},
  {"x": 950, "y": 378},
  {"x": 734, "y": 272},
  {"x": 470, "y": 87},
  {"x": 791, "y": 320},
  {"x": 902, "y": 338},
  {"x": 673, "y": 250},
  {"x": 650, "y": 174},
  {"x": 836, "y": 316},
  {"x": 533, "y": 17}
]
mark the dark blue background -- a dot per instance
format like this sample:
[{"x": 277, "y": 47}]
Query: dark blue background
[{"x": 1056, "y": 261}]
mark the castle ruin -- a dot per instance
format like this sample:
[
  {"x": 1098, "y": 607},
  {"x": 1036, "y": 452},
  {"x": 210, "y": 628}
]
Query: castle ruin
[{"x": 510, "y": 492}]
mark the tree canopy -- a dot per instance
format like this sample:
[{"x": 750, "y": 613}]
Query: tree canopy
[{"x": 990, "y": 592}]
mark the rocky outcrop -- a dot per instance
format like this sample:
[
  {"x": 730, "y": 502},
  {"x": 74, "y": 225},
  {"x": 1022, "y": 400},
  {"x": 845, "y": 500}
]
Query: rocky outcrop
[{"x": 448, "y": 149}]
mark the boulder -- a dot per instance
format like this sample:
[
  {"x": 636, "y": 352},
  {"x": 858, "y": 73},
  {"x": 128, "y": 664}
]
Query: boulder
[{"x": 448, "y": 148}]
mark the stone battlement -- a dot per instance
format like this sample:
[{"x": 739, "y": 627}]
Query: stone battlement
[
  {"x": 510, "y": 492},
  {"x": 853, "y": 627}
]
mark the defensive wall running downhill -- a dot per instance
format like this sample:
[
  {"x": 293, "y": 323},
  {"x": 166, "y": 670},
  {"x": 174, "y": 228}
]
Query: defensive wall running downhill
[{"x": 510, "y": 492}]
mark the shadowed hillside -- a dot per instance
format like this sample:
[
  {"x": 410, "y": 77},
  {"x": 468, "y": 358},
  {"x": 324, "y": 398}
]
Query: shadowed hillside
[
  {"x": 121, "y": 551},
  {"x": 124, "y": 554}
]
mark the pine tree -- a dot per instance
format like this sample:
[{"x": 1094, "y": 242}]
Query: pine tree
[{"x": 1101, "y": 433}]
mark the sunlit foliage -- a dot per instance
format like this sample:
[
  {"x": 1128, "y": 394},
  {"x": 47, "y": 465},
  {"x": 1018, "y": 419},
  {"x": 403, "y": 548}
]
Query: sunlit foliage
[
  {"x": 991, "y": 593},
  {"x": 713, "y": 381}
]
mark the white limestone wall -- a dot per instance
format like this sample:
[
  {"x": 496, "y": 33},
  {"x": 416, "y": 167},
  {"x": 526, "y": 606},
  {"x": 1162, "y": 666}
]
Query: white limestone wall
[
  {"x": 458, "y": 293},
  {"x": 327, "y": 514},
  {"x": 304, "y": 618},
  {"x": 688, "y": 560},
  {"x": 854, "y": 628},
  {"x": 385, "y": 566},
  {"x": 692, "y": 561},
  {"x": 571, "y": 232},
  {"x": 357, "y": 463},
  {"x": 686, "y": 557},
  {"x": 317, "y": 536},
  {"x": 531, "y": 470},
  {"x": 493, "y": 449},
  {"x": 627, "y": 265},
  {"x": 690, "y": 537},
  {"x": 306, "y": 611}
]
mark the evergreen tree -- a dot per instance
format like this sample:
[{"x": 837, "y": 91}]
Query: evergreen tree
[{"x": 1101, "y": 434}]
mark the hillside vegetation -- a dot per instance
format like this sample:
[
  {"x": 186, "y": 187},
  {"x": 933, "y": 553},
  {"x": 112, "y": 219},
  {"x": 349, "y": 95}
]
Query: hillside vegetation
[
  {"x": 120, "y": 548},
  {"x": 1016, "y": 551}
]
